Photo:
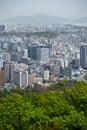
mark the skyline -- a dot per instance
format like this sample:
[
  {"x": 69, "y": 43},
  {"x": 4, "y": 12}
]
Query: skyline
[{"x": 57, "y": 8}]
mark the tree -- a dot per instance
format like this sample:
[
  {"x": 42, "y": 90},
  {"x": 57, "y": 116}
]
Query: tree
[{"x": 15, "y": 113}]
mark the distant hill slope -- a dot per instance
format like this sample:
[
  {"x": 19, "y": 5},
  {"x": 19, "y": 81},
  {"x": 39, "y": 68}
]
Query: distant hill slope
[{"x": 43, "y": 19}]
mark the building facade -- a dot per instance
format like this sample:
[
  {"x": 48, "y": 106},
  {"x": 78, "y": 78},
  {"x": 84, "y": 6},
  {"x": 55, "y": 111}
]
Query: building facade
[
  {"x": 1, "y": 77},
  {"x": 8, "y": 68},
  {"x": 21, "y": 77},
  {"x": 6, "y": 71},
  {"x": 83, "y": 56},
  {"x": 39, "y": 53},
  {"x": 46, "y": 75}
]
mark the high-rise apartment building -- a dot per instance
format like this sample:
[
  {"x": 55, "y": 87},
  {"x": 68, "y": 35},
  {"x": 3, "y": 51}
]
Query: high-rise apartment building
[
  {"x": 21, "y": 77},
  {"x": 9, "y": 68},
  {"x": 11, "y": 71},
  {"x": 1, "y": 77},
  {"x": 6, "y": 71},
  {"x": 83, "y": 56}
]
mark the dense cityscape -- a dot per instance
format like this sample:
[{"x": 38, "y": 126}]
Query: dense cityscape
[
  {"x": 43, "y": 64},
  {"x": 40, "y": 54},
  {"x": 43, "y": 77}
]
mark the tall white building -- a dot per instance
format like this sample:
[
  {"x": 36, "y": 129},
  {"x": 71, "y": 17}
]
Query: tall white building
[
  {"x": 21, "y": 77},
  {"x": 46, "y": 75}
]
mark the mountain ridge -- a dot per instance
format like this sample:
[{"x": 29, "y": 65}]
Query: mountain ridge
[{"x": 44, "y": 19}]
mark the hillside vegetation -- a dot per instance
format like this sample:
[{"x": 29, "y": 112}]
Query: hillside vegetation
[{"x": 61, "y": 109}]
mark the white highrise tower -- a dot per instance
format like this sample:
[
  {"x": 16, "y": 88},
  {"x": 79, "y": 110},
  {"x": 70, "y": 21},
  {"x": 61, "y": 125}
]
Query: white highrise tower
[{"x": 21, "y": 77}]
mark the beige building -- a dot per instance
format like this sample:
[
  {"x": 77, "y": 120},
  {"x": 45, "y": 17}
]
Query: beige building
[
  {"x": 31, "y": 79},
  {"x": 1, "y": 77}
]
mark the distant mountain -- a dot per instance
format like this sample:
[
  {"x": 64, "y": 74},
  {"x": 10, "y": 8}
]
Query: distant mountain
[{"x": 43, "y": 19}]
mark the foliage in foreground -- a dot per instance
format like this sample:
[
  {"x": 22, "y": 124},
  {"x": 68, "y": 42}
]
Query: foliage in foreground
[{"x": 59, "y": 110}]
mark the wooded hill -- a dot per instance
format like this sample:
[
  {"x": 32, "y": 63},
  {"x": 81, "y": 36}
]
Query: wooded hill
[{"x": 62, "y": 109}]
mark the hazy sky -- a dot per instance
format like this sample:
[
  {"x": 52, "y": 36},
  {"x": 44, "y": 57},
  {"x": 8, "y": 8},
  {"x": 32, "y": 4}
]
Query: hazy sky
[{"x": 59, "y": 8}]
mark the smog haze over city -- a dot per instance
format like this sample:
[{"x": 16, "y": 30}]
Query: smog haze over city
[{"x": 14, "y": 10}]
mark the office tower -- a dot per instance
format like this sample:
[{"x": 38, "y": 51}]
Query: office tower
[
  {"x": 32, "y": 51},
  {"x": 42, "y": 54},
  {"x": 39, "y": 53},
  {"x": 21, "y": 77},
  {"x": 83, "y": 56}
]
